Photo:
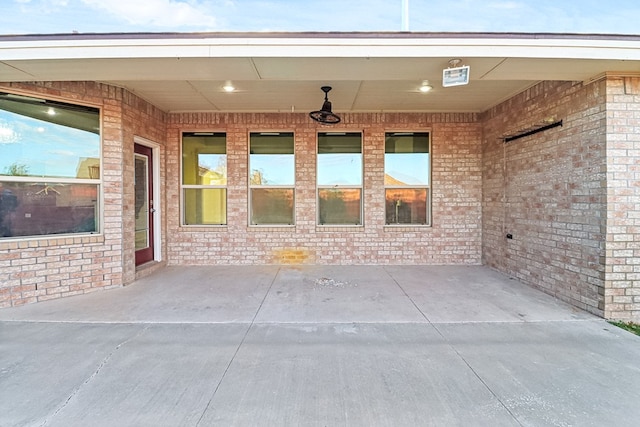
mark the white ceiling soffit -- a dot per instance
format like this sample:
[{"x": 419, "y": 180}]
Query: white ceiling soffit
[{"x": 284, "y": 72}]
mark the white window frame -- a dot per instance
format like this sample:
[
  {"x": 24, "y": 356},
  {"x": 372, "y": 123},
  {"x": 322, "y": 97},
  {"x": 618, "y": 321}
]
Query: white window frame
[
  {"x": 409, "y": 187},
  {"x": 340, "y": 186},
  {"x": 99, "y": 216},
  {"x": 291, "y": 187},
  {"x": 197, "y": 186}
]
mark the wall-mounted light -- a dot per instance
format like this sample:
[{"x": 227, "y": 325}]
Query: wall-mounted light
[{"x": 51, "y": 111}]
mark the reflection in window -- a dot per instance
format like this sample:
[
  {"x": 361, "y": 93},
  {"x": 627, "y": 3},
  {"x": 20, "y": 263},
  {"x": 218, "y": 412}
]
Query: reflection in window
[
  {"x": 272, "y": 206},
  {"x": 205, "y": 206},
  {"x": 204, "y": 179},
  {"x": 49, "y": 167},
  {"x": 339, "y": 206},
  {"x": 339, "y": 178},
  {"x": 407, "y": 178},
  {"x": 47, "y": 208},
  {"x": 141, "y": 187},
  {"x": 271, "y": 178}
]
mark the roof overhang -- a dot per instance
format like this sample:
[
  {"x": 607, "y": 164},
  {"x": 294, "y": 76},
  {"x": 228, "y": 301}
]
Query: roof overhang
[{"x": 283, "y": 72}]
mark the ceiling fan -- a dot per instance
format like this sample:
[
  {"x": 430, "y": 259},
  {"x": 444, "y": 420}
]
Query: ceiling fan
[{"x": 324, "y": 115}]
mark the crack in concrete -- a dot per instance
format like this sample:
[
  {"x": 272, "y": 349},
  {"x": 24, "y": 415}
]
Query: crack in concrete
[
  {"x": 95, "y": 373},
  {"x": 244, "y": 337},
  {"x": 439, "y": 332}
]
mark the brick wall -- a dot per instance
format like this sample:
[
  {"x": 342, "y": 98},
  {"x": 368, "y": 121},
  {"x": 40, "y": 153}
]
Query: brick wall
[
  {"x": 139, "y": 118},
  {"x": 568, "y": 196},
  {"x": 46, "y": 268},
  {"x": 549, "y": 191},
  {"x": 454, "y": 238},
  {"x": 622, "y": 292}
]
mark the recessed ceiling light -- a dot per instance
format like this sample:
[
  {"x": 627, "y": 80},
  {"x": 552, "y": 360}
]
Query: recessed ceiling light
[
  {"x": 426, "y": 87},
  {"x": 228, "y": 87}
]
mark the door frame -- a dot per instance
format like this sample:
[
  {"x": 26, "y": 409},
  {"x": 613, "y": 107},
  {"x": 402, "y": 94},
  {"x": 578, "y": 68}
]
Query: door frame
[{"x": 157, "y": 205}]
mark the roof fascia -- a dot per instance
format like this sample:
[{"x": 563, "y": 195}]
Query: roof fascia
[{"x": 320, "y": 45}]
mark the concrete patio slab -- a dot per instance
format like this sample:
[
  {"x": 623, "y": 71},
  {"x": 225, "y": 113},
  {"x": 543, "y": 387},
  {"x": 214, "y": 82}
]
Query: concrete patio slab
[
  {"x": 337, "y": 294},
  {"x": 555, "y": 373},
  {"x": 475, "y": 294},
  {"x": 165, "y": 376},
  {"x": 174, "y": 295},
  {"x": 41, "y": 365},
  {"x": 351, "y": 374},
  {"x": 316, "y": 346}
]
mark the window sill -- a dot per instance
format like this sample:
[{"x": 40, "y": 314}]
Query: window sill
[
  {"x": 265, "y": 227},
  {"x": 49, "y": 241},
  {"x": 203, "y": 228},
  {"x": 333, "y": 228},
  {"x": 406, "y": 227}
]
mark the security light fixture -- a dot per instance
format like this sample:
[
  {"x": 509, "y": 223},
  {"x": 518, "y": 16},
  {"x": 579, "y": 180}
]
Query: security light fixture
[
  {"x": 324, "y": 115},
  {"x": 455, "y": 75}
]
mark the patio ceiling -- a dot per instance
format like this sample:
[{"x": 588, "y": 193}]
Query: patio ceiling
[{"x": 369, "y": 72}]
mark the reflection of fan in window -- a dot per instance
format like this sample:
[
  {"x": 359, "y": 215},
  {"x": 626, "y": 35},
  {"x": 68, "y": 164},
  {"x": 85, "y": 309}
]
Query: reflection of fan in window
[{"x": 45, "y": 190}]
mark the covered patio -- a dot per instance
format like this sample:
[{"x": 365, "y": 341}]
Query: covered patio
[{"x": 528, "y": 168}]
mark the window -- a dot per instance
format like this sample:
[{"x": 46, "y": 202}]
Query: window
[
  {"x": 204, "y": 178},
  {"x": 407, "y": 178},
  {"x": 49, "y": 167},
  {"x": 339, "y": 179},
  {"x": 271, "y": 178}
]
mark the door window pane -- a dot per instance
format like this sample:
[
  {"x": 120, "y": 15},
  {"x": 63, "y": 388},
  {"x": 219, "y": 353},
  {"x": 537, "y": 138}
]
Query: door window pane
[{"x": 142, "y": 202}]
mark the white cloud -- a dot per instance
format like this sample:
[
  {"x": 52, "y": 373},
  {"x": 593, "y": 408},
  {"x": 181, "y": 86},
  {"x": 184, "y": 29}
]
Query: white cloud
[
  {"x": 506, "y": 5},
  {"x": 63, "y": 153},
  {"x": 158, "y": 13},
  {"x": 7, "y": 134}
]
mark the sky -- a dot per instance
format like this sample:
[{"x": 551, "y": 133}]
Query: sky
[
  {"x": 109, "y": 16},
  {"x": 47, "y": 149}
]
